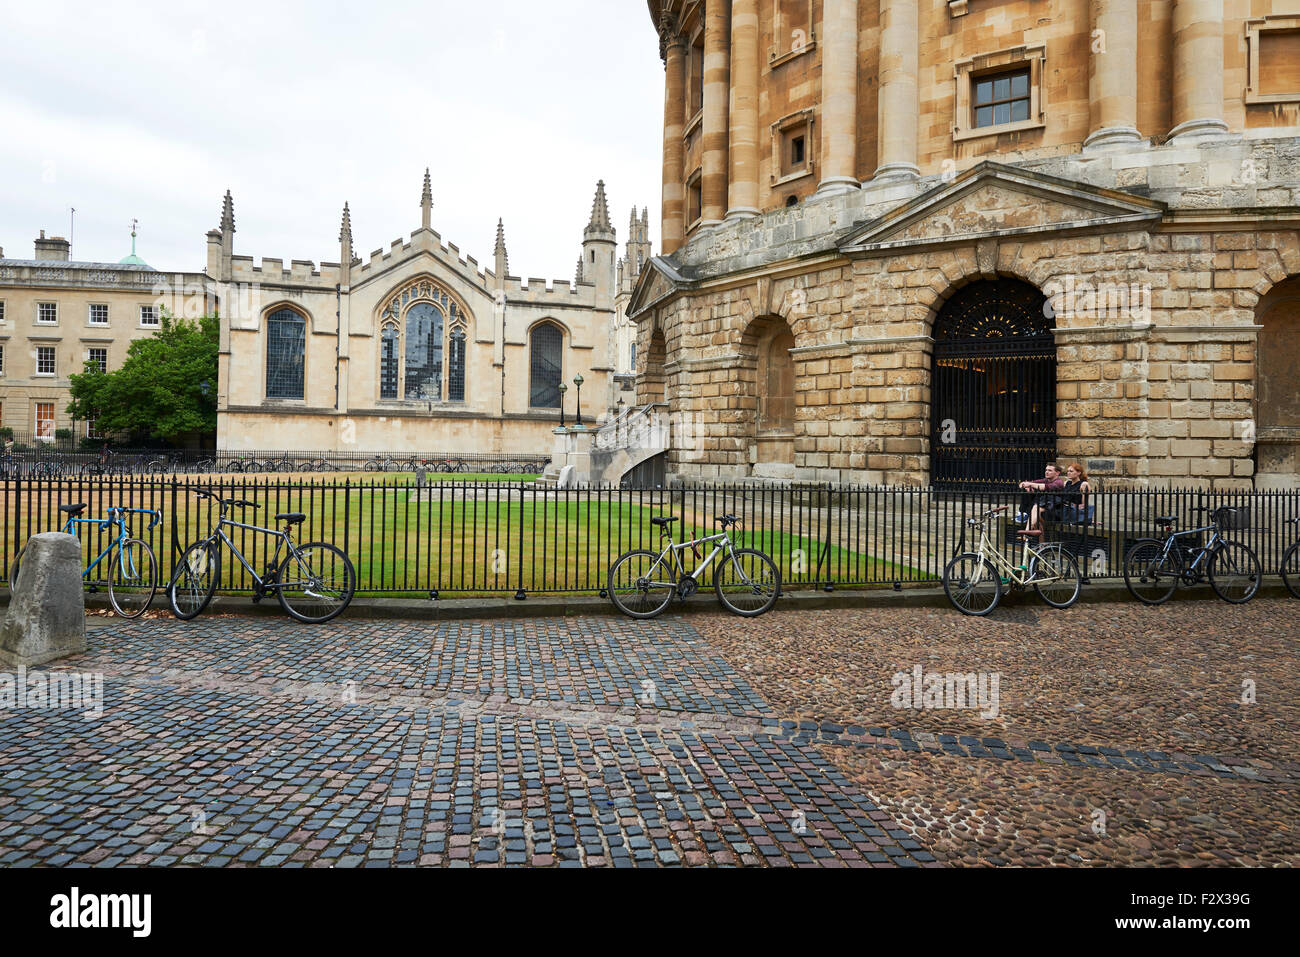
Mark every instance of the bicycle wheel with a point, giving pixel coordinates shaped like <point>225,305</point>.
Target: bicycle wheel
<point>747,583</point>
<point>195,580</point>
<point>1290,570</point>
<point>315,584</point>
<point>132,579</point>
<point>13,572</point>
<point>1064,583</point>
<point>1150,575</point>
<point>372,465</point>
<point>1234,572</point>
<point>639,585</point>
<point>972,584</point>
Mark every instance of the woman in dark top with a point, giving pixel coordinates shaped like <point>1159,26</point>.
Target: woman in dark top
<point>1076,493</point>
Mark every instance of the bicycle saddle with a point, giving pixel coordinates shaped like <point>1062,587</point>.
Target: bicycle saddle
<point>663,522</point>
<point>293,518</point>
<point>1166,519</point>
<point>73,510</point>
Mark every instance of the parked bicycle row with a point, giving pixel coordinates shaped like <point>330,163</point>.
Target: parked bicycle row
<point>114,465</point>
<point>314,582</point>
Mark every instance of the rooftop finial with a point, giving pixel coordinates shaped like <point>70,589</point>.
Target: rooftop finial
<point>502,259</point>
<point>134,223</point>
<point>345,231</point>
<point>578,276</point>
<point>426,201</point>
<point>228,214</point>
<point>600,209</point>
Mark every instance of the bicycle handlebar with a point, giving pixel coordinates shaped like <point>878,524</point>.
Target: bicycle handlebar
<point>152,512</point>
<point>225,502</point>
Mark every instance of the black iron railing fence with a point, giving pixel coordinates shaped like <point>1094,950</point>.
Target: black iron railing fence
<point>464,538</point>
<point>44,461</point>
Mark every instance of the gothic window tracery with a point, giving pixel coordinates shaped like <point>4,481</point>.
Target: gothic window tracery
<point>423,332</point>
<point>286,342</point>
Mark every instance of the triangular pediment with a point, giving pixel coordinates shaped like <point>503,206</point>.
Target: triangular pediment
<point>992,200</point>
<point>657,282</point>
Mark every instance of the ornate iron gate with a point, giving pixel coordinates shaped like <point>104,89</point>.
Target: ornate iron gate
<point>994,387</point>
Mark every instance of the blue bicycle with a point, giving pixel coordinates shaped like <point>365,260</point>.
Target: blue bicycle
<point>133,570</point>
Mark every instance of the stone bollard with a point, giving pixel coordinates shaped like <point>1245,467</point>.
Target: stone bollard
<point>47,618</point>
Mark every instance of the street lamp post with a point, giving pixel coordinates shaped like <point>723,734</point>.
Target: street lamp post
<point>563,389</point>
<point>577,380</point>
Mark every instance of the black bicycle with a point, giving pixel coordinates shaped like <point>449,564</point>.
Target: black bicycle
<point>313,582</point>
<point>1291,563</point>
<point>1155,567</point>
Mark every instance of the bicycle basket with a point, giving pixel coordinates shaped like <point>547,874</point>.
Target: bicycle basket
<point>1230,518</point>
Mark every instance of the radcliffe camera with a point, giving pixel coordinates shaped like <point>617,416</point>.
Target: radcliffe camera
<point>673,434</point>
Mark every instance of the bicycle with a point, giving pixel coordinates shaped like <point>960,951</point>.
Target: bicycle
<point>642,583</point>
<point>133,571</point>
<point>1290,566</point>
<point>973,581</point>
<point>314,582</point>
<point>1155,567</point>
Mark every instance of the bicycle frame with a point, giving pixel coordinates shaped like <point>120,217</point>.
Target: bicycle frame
<point>283,539</point>
<point>117,516</point>
<point>1203,552</point>
<point>1017,574</point>
<point>675,549</point>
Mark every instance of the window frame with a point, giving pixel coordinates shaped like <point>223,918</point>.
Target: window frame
<point>1255,31</point>
<point>157,321</point>
<point>455,320</point>
<point>783,129</point>
<point>967,72</point>
<point>532,333</point>
<point>54,362</point>
<point>90,350</point>
<point>266,352</point>
<point>37,405</point>
<point>777,54</point>
<point>2,358</point>
<point>90,314</point>
<point>47,322</point>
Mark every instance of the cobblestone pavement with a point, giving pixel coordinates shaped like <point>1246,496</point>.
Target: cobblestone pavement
<point>596,741</point>
<point>1123,734</point>
<point>1120,736</point>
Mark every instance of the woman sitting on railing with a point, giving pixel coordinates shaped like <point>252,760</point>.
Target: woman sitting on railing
<point>1076,507</point>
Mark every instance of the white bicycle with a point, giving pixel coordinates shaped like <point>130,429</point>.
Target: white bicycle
<point>973,581</point>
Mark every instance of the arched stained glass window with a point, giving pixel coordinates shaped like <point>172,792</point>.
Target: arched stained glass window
<point>546,364</point>
<point>456,367</point>
<point>286,341</point>
<point>424,352</point>
<point>388,361</point>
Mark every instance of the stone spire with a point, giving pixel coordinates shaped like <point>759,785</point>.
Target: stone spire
<point>426,201</point>
<point>228,214</point>
<point>502,258</point>
<point>577,278</point>
<point>599,215</point>
<point>345,245</point>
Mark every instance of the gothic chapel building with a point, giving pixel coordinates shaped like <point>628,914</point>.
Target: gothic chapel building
<point>414,350</point>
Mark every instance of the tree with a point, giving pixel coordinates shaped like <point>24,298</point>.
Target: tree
<point>166,388</point>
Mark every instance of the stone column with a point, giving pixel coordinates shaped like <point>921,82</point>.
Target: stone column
<point>839,117</point>
<point>1112,73</point>
<point>717,88</point>
<point>1198,68</point>
<point>899,104</point>
<point>674,197</point>
<point>742,194</point>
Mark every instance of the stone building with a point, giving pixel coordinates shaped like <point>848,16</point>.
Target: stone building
<point>56,315</point>
<point>940,241</point>
<point>623,335</point>
<point>416,349</point>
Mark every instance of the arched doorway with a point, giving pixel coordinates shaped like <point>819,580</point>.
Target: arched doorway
<point>993,396</point>
<point>1277,388</point>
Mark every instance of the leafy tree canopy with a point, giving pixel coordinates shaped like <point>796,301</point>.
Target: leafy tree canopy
<point>159,393</point>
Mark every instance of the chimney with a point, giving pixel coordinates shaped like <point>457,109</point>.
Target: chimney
<point>54,248</point>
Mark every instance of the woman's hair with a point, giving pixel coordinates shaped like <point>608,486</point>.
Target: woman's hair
<point>1078,467</point>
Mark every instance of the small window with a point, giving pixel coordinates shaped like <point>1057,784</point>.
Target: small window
<point>99,357</point>
<point>697,75</point>
<point>1002,98</point>
<point>148,315</point>
<point>796,151</point>
<point>694,200</point>
<point>456,367</point>
<point>98,314</point>
<point>791,200</point>
<point>45,360</point>
<point>47,312</point>
<point>45,421</point>
<point>92,432</point>
<point>2,311</point>
<point>2,360</point>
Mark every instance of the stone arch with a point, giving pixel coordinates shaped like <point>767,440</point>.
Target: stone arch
<point>1277,387</point>
<point>992,385</point>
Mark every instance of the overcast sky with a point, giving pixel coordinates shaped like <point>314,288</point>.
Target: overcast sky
<point>153,110</point>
